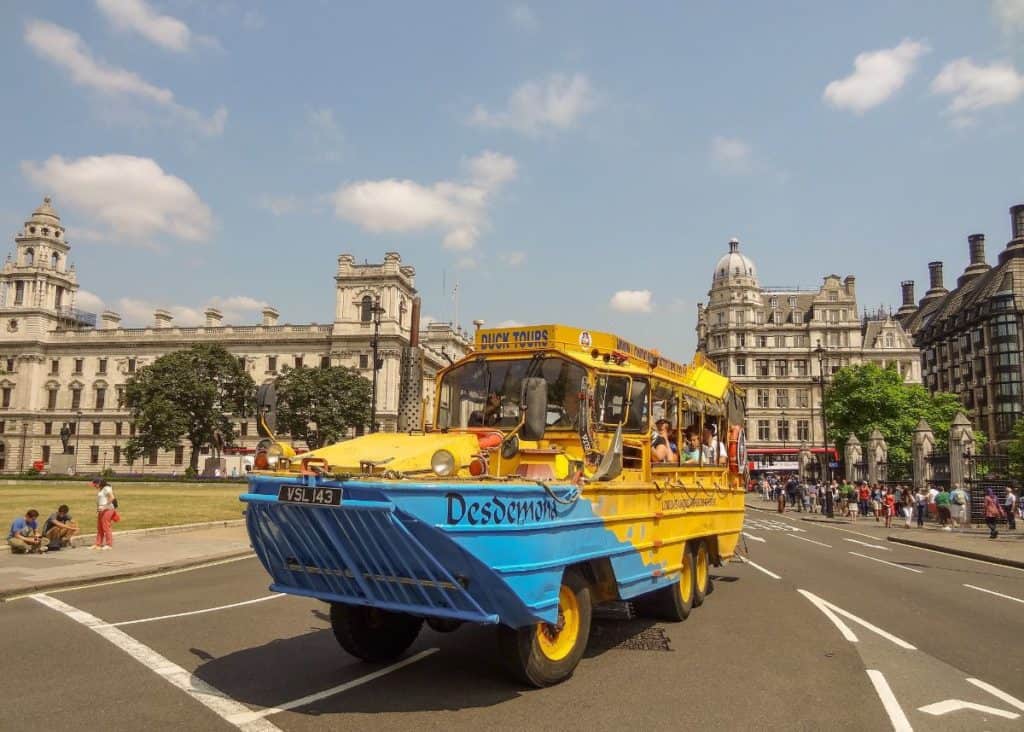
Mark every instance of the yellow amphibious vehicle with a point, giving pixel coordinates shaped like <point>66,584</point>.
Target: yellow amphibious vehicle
<point>560,468</point>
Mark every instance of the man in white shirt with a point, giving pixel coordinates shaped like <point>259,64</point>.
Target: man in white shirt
<point>711,446</point>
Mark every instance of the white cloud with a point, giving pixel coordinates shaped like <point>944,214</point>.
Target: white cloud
<point>324,133</point>
<point>457,209</point>
<point>1010,14</point>
<point>281,205</point>
<point>554,103</point>
<point>133,197</point>
<point>974,87</point>
<point>91,302</point>
<point>632,301</point>
<point>65,49</point>
<point>513,259</point>
<point>730,155</point>
<point>877,76</point>
<point>236,309</point>
<point>466,263</point>
<point>139,17</point>
<point>522,16</point>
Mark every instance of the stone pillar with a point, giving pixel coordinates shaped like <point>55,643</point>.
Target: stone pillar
<point>804,460</point>
<point>878,452</point>
<point>852,454</point>
<point>961,445</point>
<point>921,449</point>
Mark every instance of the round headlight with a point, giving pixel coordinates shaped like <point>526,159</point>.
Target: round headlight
<point>274,453</point>
<point>443,463</point>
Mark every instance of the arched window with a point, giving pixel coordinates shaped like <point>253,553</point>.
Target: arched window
<point>366,309</point>
<point>30,256</point>
<point>54,260</point>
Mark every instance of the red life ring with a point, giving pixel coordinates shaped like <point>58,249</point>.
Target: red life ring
<point>737,449</point>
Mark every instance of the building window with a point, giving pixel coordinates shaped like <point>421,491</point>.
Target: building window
<point>79,363</point>
<point>325,362</point>
<point>243,428</point>
<point>763,398</point>
<point>76,398</point>
<point>101,366</point>
<point>803,430</point>
<point>118,428</point>
<point>131,429</point>
<point>761,366</point>
<point>152,456</point>
<point>298,362</point>
<point>51,398</point>
<point>94,454</point>
<point>120,397</point>
<point>55,367</point>
<point>6,397</point>
<point>19,293</point>
<point>364,361</point>
<point>10,365</point>
<point>117,454</point>
<point>46,453</point>
<point>131,365</point>
<point>803,398</point>
<point>759,317</point>
<point>782,397</point>
<point>740,317</point>
<point>798,317</point>
<point>763,429</point>
<point>773,303</point>
<point>101,398</point>
<point>781,367</point>
<point>179,455</point>
<point>792,301</point>
<point>780,341</point>
<point>241,363</point>
<point>782,429</point>
<point>366,309</point>
<point>47,428</point>
<point>800,367</point>
<point>3,426</point>
<point>95,428</point>
<point>272,364</point>
<point>741,367</point>
<point>762,341</point>
<point>741,340</point>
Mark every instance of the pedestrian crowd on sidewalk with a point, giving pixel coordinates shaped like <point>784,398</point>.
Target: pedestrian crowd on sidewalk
<point>25,537</point>
<point>948,508</point>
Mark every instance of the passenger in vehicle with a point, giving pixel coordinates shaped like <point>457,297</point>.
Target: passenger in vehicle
<point>490,414</point>
<point>691,445</point>
<point>714,450</point>
<point>663,448</point>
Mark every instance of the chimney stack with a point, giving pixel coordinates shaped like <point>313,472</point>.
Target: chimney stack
<point>270,316</point>
<point>110,320</point>
<point>1017,221</point>
<point>935,276</point>
<point>848,284</point>
<point>162,318</point>
<point>734,245</point>
<point>908,307</point>
<point>976,244</point>
<point>213,317</point>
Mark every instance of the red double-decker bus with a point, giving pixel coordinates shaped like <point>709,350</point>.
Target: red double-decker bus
<point>786,459</point>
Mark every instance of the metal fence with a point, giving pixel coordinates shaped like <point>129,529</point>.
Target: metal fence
<point>983,472</point>
<point>938,464</point>
<point>896,472</point>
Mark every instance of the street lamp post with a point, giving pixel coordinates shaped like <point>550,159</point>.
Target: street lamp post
<point>78,431</point>
<point>827,473</point>
<point>377,310</point>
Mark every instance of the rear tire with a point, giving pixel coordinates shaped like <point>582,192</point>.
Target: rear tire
<point>672,603</point>
<point>701,573</point>
<point>371,634</point>
<point>544,654</point>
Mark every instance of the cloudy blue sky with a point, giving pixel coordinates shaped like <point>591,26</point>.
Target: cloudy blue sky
<point>581,162</point>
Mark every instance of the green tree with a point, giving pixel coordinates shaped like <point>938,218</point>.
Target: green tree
<point>332,399</point>
<point>190,394</point>
<point>1015,448</point>
<point>863,397</point>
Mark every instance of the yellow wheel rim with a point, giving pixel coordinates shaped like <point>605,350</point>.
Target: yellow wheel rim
<point>557,641</point>
<point>686,577</point>
<point>702,567</point>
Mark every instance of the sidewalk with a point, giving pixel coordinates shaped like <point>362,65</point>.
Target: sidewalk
<point>134,554</point>
<point>972,542</point>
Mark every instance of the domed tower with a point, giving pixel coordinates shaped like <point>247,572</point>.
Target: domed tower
<point>733,299</point>
<point>38,287</point>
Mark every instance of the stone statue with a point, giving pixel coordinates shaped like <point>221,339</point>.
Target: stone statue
<point>65,436</point>
<point>217,443</point>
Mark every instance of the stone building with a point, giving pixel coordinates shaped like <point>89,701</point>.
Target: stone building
<point>970,337</point>
<point>780,343</point>
<point>58,365</point>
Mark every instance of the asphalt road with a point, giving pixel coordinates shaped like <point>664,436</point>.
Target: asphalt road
<point>845,635</point>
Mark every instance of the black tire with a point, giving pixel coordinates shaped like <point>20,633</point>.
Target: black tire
<point>672,603</point>
<point>526,656</point>
<point>372,634</point>
<point>701,576</point>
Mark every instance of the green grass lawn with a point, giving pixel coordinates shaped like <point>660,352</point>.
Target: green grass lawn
<point>142,505</point>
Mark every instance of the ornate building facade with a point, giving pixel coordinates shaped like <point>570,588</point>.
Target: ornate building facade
<point>970,337</point>
<point>782,344</point>
<point>59,365</point>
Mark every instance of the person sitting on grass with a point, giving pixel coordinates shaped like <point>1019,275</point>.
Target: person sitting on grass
<point>24,537</point>
<point>60,528</point>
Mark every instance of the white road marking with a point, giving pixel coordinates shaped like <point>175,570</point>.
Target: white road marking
<point>998,693</point>
<point>771,525</point>
<point>216,701</point>
<point>801,538</point>
<point>899,720</point>
<point>997,594</point>
<point>891,564</point>
<point>833,611</point>
<point>755,538</point>
<point>196,612</point>
<point>953,705</point>
<point>864,543</point>
<point>248,717</point>
<point>759,567</point>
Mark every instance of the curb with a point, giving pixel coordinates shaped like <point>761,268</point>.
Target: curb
<point>8,595</point>
<point>826,521</point>
<point>958,552</point>
<point>81,539</point>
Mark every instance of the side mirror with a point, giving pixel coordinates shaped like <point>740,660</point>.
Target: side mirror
<point>266,411</point>
<point>535,402</point>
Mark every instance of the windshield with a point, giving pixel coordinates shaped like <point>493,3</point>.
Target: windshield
<point>486,393</point>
